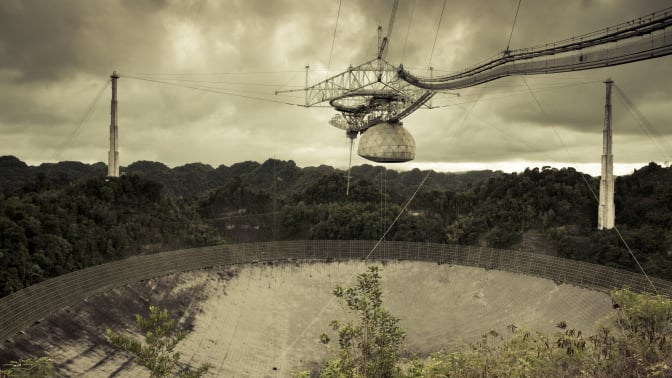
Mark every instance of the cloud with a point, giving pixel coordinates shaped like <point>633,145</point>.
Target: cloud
<point>57,57</point>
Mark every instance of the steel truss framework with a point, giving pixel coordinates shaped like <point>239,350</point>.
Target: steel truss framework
<point>377,91</point>
<point>368,94</point>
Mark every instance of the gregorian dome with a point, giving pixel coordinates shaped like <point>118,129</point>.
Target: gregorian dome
<point>387,143</point>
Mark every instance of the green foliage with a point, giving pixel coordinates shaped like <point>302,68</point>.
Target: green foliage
<point>523,354</point>
<point>356,220</point>
<point>631,342</point>
<point>157,353</point>
<point>48,232</point>
<point>513,203</point>
<point>234,198</point>
<point>332,188</point>
<point>636,338</point>
<point>51,224</point>
<point>41,367</point>
<point>370,345</point>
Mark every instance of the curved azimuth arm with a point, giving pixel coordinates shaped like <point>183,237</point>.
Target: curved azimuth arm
<point>640,39</point>
<point>376,91</point>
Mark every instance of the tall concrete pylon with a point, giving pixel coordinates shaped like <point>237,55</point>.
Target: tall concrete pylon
<point>606,211</point>
<point>113,154</point>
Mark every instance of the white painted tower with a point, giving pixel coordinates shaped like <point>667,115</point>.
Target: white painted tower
<point>606,212</point>
<point>113,154</point>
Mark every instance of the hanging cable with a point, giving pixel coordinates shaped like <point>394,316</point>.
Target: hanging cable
<point>191,81</point>
<point>510,93</point>
<point>333,39</point>
<point>466,114</point>
<point>642,121</point>
<point>557,134</point>
<point>213,73</point>
<point>618,232</point>
<point>508,43</point>
<point>620,236</point>
<point>359,267</point>
<point>403,50</point>
<point>231,89</point>
<point>85,118</point>
<point>211,90</point>
<point>225,86</point>
<point>437,34</point>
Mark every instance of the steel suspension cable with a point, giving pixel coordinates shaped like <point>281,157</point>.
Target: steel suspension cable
<point>513,26</point>
<point>438,28</point>
<point>618,232</point>
<point>403,50</point>
<point>641,120</point>
<point>359,267</point>
<point>211,90</point>
<point>333,39</point>
<point>84,119</point>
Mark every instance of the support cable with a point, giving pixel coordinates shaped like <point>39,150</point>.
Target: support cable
<point>226,87</point>
<point>211,90</point>
<point>85,118</point>
<point>468,111</point>
<point>642,121</point>
<point>620,236</point>
<point>438,28</point>
<point>511,93</point>
<point>333,39</point>
<point>557,134</point>
<point>513,26</point>
<point>403,50</point>
<point>359,267</point>
<point>618,232</point>
<point>212,73</point>
<point>241,83</point>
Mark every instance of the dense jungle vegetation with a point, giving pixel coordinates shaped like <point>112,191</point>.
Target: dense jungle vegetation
<point>57,218</point>
<point>632,341</point>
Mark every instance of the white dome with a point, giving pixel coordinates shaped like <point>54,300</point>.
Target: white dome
<point>387,143</point>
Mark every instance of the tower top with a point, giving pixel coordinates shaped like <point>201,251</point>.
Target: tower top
<point>608,81</point>
<point>114,75</point>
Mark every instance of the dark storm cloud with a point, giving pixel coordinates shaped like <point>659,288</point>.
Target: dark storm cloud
<point>554,116</point>
<point>57,55</point>
<point>51,40</point>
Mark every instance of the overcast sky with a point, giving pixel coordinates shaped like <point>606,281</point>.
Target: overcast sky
<point>56,58</point>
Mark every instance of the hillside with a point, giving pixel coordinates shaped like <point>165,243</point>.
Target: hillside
<point>47,229</point>
<point>283,178</point>
<point>548,210</point>
<point>54,218</point>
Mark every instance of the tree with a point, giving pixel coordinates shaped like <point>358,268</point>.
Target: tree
<point>633,341</point>
<point>370,346</point>
<point>157,352</point>
<point>29,367</point>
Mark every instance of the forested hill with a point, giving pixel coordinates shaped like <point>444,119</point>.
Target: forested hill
<point>548,210</point>
<point>47,229</point>
<point>56,218</point>
<point>61,217</point>
<point>196,179</point>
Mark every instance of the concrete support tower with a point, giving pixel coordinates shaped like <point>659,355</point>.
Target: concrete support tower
<point>606,212</point>
<point>113,154</point>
